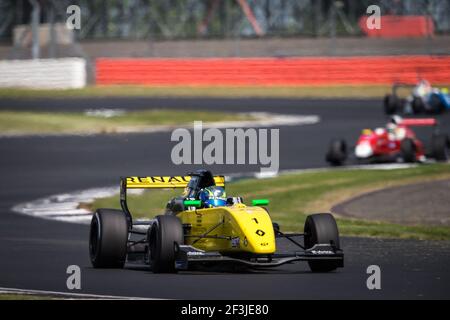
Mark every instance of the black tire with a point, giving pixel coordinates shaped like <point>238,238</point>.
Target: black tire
<point>436,105</point>
<point>321,228</point>
<point>408,150</point>
<point>108,239</point>
<point>337,153</point>
<point>417,105</point>
<point>164,237</point>
<point>439,147</point>
<point>391,104</point>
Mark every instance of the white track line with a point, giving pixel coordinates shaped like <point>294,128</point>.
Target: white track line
<point>66,207</point>
<point>68,295</point>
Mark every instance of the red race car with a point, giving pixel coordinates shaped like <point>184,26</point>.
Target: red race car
<point>397,142</point>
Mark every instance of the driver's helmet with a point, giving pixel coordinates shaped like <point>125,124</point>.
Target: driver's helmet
<point>213,197</point>
<point>422,88</point>
<point>395,120</point>
<point>393,124</point>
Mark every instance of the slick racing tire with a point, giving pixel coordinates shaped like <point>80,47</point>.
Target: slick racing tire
<point>391,104</point>
<point>440,147</point>
<point>108,239</point>
<point>408,150</point>
<point>436,105</point>
<point>337,153</point>
<point>418,106</point>
<point>164,237</point>
<point>321,228</point>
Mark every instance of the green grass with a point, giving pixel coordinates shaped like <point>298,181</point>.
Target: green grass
<point>333,91</point>
<point>18,122</point>
<point>17,296</point>
<point>294,196</point>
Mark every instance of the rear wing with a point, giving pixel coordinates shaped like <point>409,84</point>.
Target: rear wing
<point>163,182</point>
<point>418,122</point>
<point>155,182</point>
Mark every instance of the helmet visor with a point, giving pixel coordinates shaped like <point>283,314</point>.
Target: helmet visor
<point>218,202</point>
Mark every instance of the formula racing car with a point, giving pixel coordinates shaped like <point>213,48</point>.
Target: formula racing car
<point>397,142</point>
<point>204,227</point>
<point>422,99</point>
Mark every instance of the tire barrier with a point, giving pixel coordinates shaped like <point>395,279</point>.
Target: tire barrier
<point>273,71</point>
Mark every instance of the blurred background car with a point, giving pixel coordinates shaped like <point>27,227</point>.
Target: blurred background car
<point>396,142</point>
<point>422,99</point>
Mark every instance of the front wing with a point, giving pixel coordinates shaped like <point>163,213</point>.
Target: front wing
<point>189,255</point>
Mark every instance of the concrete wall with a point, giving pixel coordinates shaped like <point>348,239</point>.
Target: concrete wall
<point>66,73</point>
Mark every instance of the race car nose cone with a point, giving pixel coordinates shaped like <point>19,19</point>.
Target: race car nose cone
<point>363,150</point>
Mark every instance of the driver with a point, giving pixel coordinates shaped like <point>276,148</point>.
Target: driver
<point>394,130</point>
<point>213,197</point>
<point>422,89</point>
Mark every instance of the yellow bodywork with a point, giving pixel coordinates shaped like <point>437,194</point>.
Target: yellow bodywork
<point>229,229</point>
<point>242,228</point>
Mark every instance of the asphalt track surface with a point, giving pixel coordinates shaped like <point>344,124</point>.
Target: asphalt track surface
<point>34,253</point>
<point>428,203</point>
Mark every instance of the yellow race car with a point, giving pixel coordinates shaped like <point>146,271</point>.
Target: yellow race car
<point>204,227</point>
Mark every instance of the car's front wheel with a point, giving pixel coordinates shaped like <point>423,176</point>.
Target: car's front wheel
<point>408,150</point>
<point>440,147</point>
<point>436,104</point>
<point>321,228</point>
<point>164,237</point>
<point>337,153</point>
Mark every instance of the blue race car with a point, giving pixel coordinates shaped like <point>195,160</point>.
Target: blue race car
<point>423,99</point>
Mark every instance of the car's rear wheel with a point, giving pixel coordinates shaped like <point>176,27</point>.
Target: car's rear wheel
<point>408,150</point>
<point>164,237</point>
<point>337,153</point>
<point>321,228</point>
<point>108,239</point>
<point>440,147</point>
<point>418,106</point>
<point>391,104</point>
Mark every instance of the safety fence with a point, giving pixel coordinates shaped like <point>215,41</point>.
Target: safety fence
<point>273,71</point>
<point>66,73</point>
